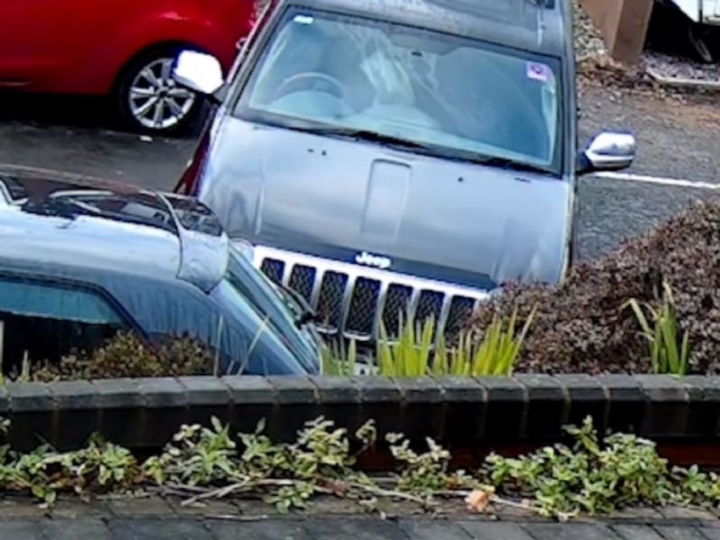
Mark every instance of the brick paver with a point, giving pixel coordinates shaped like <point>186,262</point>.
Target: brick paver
<point>159,520</point>
<point>320,528</point>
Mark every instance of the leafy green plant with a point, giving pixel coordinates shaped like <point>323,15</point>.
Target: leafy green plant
<point>411,354</point>
<point>339,359</point>
<point>668,354</point>
<point>25,374</point>
<point>286,474</point>
<point>592,476</point>
<point>599,478</point>
<point>494,352</point>
<point>428,472</point>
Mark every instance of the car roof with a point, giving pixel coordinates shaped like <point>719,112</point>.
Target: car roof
<point>540,26</point>
<point>122,229</point>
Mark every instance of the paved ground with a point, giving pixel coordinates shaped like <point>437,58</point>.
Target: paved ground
<point>676,142</point>
<point>156,519</point>
<point>348,528</point>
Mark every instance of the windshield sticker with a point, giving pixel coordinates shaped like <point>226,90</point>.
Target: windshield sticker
<point>303,19</point>
<point>538,72</point>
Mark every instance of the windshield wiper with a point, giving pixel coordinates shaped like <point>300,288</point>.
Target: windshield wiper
<point>505,163</point>
<point>364,135</point>
<point>372,136</point>
<point>306,315</point>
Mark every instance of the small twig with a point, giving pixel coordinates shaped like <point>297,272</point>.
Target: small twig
<point>215,493</point>
<point>186,488</point>
<point>506,502</point>
<point>380,492</point>
<point>164,491</point>
<point>224,491</point>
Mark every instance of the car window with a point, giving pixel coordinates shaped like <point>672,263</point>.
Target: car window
<point>163,309</point>
<point>245,286</point>
<point>424,86</point>
<point>47,321</point>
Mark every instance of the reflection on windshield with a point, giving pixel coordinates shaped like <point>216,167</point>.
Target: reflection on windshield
<point>245,286</point>
<point>417,85</point>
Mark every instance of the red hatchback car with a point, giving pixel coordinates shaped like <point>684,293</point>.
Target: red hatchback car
<point>119,48</point>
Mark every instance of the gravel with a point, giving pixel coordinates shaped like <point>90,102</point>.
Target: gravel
<point>588,40</point>
<point>680,68</point>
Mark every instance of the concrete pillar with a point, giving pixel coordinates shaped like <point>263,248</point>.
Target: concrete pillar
<point>623,24</point>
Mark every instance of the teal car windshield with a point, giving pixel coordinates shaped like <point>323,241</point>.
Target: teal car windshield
<point>244,285</point>
<point>456,96</point>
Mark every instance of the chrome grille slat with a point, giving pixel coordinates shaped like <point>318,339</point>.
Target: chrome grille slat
<point>286,274</point>
<point>384,285</point>
<point>347,299</point>
<point>442,320</point>
<point>315,296</point>
<point>330,287</point>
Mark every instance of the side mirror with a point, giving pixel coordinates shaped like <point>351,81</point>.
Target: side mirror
<point>608,151</point>
<point>199,72</point>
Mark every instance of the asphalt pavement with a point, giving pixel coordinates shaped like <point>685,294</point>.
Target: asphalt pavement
<point>678,155</point>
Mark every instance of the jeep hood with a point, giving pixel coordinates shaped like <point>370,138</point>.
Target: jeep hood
<point>447,220</point>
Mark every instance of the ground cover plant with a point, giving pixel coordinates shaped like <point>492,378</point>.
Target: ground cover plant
<point>591,477</point>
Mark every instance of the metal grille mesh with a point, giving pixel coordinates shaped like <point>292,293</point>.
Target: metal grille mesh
<point>302,280</point>
<point>396,307</point>
<point>273,269</point>
<point>363,306</point>
<point>330,300</point>
<point>461,309</point>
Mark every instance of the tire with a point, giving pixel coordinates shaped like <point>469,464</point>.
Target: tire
<point>148,99</point>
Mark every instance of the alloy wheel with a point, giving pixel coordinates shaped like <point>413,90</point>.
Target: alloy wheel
<point>155,100</point>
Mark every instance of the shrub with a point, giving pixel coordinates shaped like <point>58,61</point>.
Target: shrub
<point>128,356</point>
<point>414,353</point>
<point>583,325</point>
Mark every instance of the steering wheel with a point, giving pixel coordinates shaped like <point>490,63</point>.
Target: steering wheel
<point>336,87</point>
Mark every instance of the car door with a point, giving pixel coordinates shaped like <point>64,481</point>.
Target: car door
<point>43,320</point>
<point>34,36</point>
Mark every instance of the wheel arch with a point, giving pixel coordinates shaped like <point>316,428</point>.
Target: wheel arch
<point>159,47</point>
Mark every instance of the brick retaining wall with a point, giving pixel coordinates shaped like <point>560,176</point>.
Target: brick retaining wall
<point>462,412</point>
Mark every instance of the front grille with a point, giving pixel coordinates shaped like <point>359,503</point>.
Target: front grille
<point>355,301</point>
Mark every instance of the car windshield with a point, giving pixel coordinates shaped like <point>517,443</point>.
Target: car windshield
<point>445,94</point>
<point>244,285</point>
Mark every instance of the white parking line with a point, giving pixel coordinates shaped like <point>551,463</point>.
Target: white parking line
<point>673,182</point>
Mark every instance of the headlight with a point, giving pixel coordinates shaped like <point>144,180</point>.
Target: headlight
<point>245,248</point>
